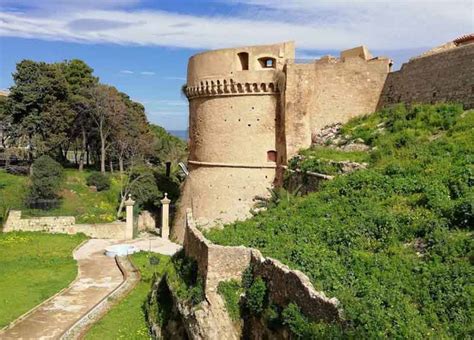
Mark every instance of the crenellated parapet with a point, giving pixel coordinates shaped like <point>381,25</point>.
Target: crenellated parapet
<point>224,87</point>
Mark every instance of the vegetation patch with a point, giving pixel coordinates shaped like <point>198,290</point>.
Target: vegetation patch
<point>231,291</point>
<point>33,267</point>
<point>183,277</point>
<point>99,180</point>
<point>392,242</point>
<point>127,319</point>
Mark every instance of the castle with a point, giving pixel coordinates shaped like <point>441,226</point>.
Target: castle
<point>253,108</point>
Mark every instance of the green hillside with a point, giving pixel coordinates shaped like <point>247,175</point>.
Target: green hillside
<point>392,242</point>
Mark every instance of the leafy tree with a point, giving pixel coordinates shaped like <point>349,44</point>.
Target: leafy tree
<point>80,79</point>
<point>38,106</point>
<point>108,112</point>
<point>166,147</point>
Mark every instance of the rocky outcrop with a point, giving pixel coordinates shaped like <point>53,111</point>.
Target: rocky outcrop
<point>207,320</point>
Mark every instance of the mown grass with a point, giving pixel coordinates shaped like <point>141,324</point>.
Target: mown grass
<point>393,242</point>
<point>12,192</point>
<point>77,199</point>
<point>127,320</point>
<point>33,267</point>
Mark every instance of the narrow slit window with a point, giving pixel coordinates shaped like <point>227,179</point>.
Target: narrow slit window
<point>244,60</point>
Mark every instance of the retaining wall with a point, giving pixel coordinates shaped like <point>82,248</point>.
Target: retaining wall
<point>220,263</point>
<point>64,225</point>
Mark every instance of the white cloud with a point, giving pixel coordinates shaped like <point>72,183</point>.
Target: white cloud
<point>126,72</point>
<point>314,25</point>
<point>147,73</point>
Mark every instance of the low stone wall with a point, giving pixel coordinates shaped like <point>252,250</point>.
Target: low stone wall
<point>220,263</point>
<point>215,263</point>
<point>285,285</point>
<point>64,225</point>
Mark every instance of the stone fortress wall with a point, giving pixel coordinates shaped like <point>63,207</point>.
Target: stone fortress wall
<point>445,75</point>
<point>253,108</point>
<point>64,225</point>
<point>218,263</point>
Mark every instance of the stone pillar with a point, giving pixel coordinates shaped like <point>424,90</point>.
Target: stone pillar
<point>165,217</point>
<point>129,203</point>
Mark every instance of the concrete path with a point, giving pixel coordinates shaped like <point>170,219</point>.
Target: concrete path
<point>98,277</point>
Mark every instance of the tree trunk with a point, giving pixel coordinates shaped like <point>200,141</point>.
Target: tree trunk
<point>121,164</point>
<point>111,166</point>
<point>83,150</point>
<point>102,149</point>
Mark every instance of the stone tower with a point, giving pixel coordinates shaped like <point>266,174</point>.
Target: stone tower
<point>234,101</point>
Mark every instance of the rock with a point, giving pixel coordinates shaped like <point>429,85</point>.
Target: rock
<point>355,147</point>
<point>93,188</point>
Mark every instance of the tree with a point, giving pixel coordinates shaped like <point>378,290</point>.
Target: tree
<point>167,147</point>
<point>38,107</point>
<point>108,111</point>
<point>132,138</point>
<point>80,80</point>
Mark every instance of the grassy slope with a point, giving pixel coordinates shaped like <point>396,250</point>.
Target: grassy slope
<point>77,199</point>
<point>394,242</point>
<point>33,267</point>
<point>126,320</point>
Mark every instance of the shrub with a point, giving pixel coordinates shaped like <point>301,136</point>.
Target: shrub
<point>255,296</point>
<point>230,291</point>
<point>144,189</point>
<point>186,271</point>
<point>99,180</point>
<point>45,180</point>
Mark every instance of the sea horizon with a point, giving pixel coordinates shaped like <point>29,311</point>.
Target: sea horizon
<point>183,134</point>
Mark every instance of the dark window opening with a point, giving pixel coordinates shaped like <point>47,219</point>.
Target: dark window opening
<point>271,156</point>
<point>267,62</point>
<point>244,60</point>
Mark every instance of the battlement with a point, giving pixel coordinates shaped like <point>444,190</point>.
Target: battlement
<point>229,87</point>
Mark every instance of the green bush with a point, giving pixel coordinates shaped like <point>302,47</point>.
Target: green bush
<point>46,179</point>
<point>186,271</point>
<point>230,291</point>
<point>144,189</point>
<point>99,180</point>
<point>255,296</point>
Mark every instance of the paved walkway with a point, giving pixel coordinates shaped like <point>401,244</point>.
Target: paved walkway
<point>98,277</point>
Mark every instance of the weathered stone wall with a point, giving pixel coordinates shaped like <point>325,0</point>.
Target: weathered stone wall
<point>445,76</point>
<point>285,285</point>
<point>329,91</point>
<point>64,225</point>
<point>215,263</point>
<point>220,263</point>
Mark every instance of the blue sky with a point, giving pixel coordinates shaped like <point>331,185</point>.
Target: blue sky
<point>142,46</point>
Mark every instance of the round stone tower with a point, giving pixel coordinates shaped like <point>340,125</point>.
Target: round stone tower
<point>234,114</point>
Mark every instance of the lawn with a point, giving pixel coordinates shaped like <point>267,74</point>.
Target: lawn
<point>33,267</point>
<point>77,199</point>
<point>126,320</point>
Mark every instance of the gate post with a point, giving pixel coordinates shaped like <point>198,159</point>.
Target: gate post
<point>165,217</point>
<point>129,203</point>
